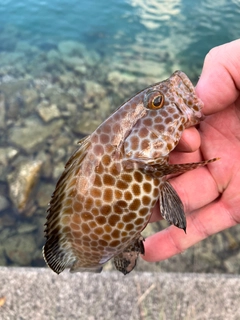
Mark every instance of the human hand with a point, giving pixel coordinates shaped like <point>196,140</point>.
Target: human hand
<point>210,194</point>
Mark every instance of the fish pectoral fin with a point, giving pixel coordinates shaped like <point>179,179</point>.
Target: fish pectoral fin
<point>171,206</point>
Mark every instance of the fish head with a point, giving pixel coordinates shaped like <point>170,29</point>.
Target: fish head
<point>171,106</point>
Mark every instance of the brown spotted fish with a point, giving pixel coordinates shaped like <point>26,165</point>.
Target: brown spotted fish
<point>105,196</point>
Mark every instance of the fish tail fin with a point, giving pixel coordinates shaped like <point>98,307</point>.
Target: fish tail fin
<point>77,267</point>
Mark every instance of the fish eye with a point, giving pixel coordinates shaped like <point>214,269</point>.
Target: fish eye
<point>153,100</point>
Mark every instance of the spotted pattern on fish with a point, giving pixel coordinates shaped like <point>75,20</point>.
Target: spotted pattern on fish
<point>105,196</point>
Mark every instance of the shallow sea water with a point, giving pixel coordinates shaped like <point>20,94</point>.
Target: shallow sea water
<point>64,67</point>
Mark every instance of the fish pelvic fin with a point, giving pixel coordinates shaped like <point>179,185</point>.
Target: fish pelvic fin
<point>171,206</point>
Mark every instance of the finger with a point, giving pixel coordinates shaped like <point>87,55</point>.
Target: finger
<point>219,83</point>
<point>200,225</point>
<point>190,140</point>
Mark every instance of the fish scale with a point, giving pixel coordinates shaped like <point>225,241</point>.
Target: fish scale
<point>110,185</point>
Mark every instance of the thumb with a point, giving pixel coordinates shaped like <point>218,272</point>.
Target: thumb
<point>219,83</point>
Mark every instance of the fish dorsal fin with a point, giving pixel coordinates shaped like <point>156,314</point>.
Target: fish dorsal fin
<point>171,206</point>
<point>80,152</point>
<point>55,255</point>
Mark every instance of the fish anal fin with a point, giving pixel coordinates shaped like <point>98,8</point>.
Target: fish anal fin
<point>126,260</point>
<point>171,206</point>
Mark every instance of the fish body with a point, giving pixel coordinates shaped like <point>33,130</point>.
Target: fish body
<point>105,196</point>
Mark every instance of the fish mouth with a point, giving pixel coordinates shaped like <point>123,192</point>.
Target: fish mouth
<point>185,80</point>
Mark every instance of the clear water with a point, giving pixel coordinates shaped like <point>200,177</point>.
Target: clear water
<point>142,40</point>
<point>188,29</point>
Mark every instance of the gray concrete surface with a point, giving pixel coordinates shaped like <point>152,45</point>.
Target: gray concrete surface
<point>40,294</point>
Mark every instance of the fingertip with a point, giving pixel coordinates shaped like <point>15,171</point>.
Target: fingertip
<point>219,83</point>
<point>190,140</point>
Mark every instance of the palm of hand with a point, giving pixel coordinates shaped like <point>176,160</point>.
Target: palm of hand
<point>221,137</point>
<point>210,194</point>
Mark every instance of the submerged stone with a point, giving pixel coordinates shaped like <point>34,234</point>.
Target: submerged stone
<point>71,48</point>
<point>48,112</point>
<point>4,203</point>
<point>33,134</point>
<point>2,111</point>
<point>20,249</point>
<point>22,181</point>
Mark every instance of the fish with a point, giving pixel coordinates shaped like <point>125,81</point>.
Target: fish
<point>106,194</point>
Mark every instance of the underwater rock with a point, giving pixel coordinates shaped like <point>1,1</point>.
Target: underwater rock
<point>232,263</point>
<point>73,62</point>
<point>116,77</point>
<point>71,108</point>
<point>71,48</point>
<point>47,165</point>
<point>3,260</point>
<point>58,170</point>
<point>53,55</point>
<point>11,86</point>
<point>86,125</point>
<point>104,108</point>
<point>30,98</point>
<point>27,48</point>
<point>80,69</point>
<point>32,136</point>
<point>22,181</point>
<point>2,111</point>
<point>142,67</point>
<point>44,194</point>
<point>48,112</point>
<point>93,93</point>
<point>20,249</point>
<point>3,203</point>
<point>13,107</point>
<point>26,228</point>
<point>6,220</point>
<point>7,154</point>
<point>66,79</point>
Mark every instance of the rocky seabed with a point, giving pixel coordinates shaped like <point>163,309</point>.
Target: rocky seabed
<point>51,96</point>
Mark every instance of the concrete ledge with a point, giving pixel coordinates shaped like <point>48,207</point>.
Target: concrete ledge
<point>34,293</point>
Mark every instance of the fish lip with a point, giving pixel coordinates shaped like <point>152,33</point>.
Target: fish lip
<point>186,81</point>
<point>194,116</point>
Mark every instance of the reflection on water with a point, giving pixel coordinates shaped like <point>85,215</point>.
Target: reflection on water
<point>63,70</point>
<point>153,12</point>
